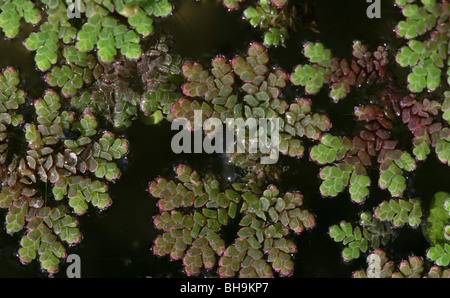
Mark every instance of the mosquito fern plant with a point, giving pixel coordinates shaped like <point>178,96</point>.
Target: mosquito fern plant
<point>379,266</point>
<point>52,168</point>
<point>104,70</point>
<point>194,210</point>
<point>100,29</point>
<point>348,162</point>
<point>426,29</point>
<point>276,18</point>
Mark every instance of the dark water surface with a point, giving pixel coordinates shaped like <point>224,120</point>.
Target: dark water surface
<point>117,242</point>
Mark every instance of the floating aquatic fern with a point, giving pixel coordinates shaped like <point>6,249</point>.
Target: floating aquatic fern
<point>100,31</point>
<point>61,163</point>
<point>194,211</point>
<point>446,107</point>
<point>12,12</point>
<point>56,27</point>
<point>421,118</point>
<point>348,159</point>
<point>400,212</point>
<point>79,70</point>
<point>379,266</point>
<point>47,228</point>
<point>437,229</point>
<point>74,158</point>
<point>275,17</point>
<point>232,4</point>
<point>366,67</point>
<point>369,233</point>
<point>112,96</point>
<point>11,98</point>
<point>440,254</point>
<point>161,72</point>
<point>426,27</point>
<point>375,231</point>
<point>272,16</point>
<point>110,36</point>
<point>212,92</point>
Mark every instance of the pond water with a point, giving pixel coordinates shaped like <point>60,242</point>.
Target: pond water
<point>117,242</point>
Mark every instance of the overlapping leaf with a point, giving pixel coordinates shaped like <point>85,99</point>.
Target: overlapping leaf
<point>100,31</point>
<point>160,71</point>
<point>366,67</point>
<point>61,148</point>
<point>11,98</point>
<point>357,239</point>
<point>262,99</point>
<point>400,212</point>
<point>12,12</point>
<point>194,212</point>
<point>46,230</point>
<point>380,267</point>
<point>429,21</point>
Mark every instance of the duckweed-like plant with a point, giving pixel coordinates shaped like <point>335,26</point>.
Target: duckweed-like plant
<point>376,230</point>
<point>427,132</point>
<point>11,98</point>
<point>426,27</point>
<point>400,212</point>
<point>12,12</point>
<point>111,97</point>
<point>275,17</point>
<point>61,164</point>
<point>104,71</point>
<point>354,155</point>
<point>101,29</point>
<point>162,72</point>
<point>440,254</point>
<point>194,210</point>
<point>369,233</point>
<point>380,267</point>
<point>365,68</point>
<point>115,97</point>
<point>80,69</point>
<point>438,229</point>
<point>232,4</point>
<point>260,96</point>
<point>347,158</point>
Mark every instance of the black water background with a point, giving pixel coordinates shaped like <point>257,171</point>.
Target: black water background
<point>117,242</point>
